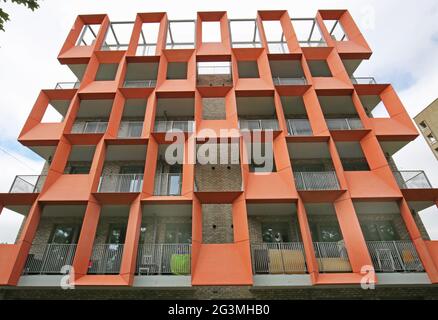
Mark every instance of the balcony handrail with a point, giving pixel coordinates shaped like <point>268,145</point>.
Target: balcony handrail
<point>278,258</point>
<point>394,256</point>
<point>121,182</point>
<point>164,258</point>
<point>299,127</point>
<point>27,184</point>
<point>363,80</point>
<point>412,179</point>
<point>67,85</point>
<point>147,83</point>
<point>332,256</point>
<point>106,258</point>
<point>146,49</point>
<point>89,127</point>
<point>171,125</point>
<point>316,180</point>
<point>49,258</point>
<point>213,70</point>
<point>289,81</point>
<point>128,129</point>
<point>344,123</point>
<point>258,124</point>
<point>164,186</point>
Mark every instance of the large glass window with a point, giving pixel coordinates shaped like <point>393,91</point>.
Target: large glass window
<point>379,231</point>
<point>276,232</point>
<point>64,234</point>
<point>178,233</point>
<point>116,234</point>
<point>326,232</point>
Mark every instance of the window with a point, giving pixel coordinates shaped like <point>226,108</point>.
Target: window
<point>379,231</point>
<point>64,234</point>
<point>178,233</point>
<point>423,125</point>
<point>79,169</point>
<point>309,167</point>
<point>116,234</point>
<point>326,232</point>
<point>143,230</point>
<point>132,169</point>
<point>431,138</point>
<point>276,232</point>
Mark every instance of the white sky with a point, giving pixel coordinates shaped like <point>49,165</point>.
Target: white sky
<point>402,34</point>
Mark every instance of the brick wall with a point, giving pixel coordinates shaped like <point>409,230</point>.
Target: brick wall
<point>217,221</point>
<point>213,109</point>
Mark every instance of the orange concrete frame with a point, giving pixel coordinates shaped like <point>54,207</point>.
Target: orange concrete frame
<point>216,264</point>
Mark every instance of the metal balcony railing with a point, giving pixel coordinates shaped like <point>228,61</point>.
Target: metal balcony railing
<point>89,127</point>
<point>146,49</point>
<point>412,180</point>
<point>299,127</point>
<point>262,124</point>
<point>289,81</point>
<point>168,184</point>
<point>344,124</point>
<point>214,70</point>
<point>106,259</point>
<point>323,180</point>
<point>332,257</point>
<point>49,258</point>
<point>67,85</point>
<point>171,125</point>
<point>27,184</point>
<point>164,259</point>
<point>277,47</point>
<point>140,83</point>
<point>363,80</point>
<point>130,129</point>
<point>394,256</point>
<point>278,258</point>
<point>129,182</point>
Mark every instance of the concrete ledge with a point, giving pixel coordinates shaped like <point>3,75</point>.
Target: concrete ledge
<point>163,281</point>
<point>41,281</point>
<point>281,280</point>
<point>402,278</point>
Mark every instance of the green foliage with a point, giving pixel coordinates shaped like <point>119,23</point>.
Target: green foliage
<point>31,4</point>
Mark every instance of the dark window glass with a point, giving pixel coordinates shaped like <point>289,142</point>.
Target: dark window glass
<point>64,234</point>
<point>116,234</point>
<point>276,232</point>
<point>178,233</point>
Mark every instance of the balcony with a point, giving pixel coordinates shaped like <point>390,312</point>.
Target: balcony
<point>363,80</point>
<point>214,74</point>
<point>164,259</point>
<point>394,256</point>
<point>121,183</point>
<point>130,129</point>
<point>89,127</point>
<point>27,184</point>
<point>323,180</point>
<point>140,83</point>
<point>173,126</point>
<point>49,258</point>
<point>262,124</point>
<point>106,259</point>
<point>289,81</point>
<point>299,127</point>
<point>412,180</point>
<point>344,124</point>
<point>278,258</point>
<point>67,85</point>
<point>332,257</point>
<point>168,184</point>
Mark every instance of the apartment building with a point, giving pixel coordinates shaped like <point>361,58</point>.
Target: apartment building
<point>427,121</point>
<point>332,212</point>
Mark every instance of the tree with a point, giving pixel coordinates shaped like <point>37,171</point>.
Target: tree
<point>31,4</point>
